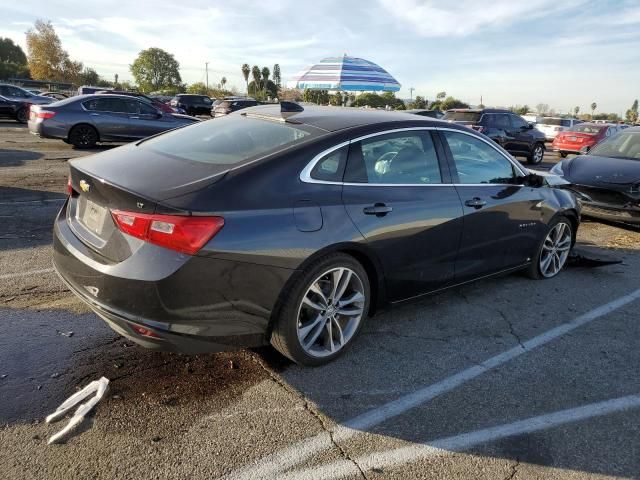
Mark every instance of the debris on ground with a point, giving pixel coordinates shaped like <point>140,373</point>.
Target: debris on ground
<point>99,387</point>
<point>591,256</point>
<point>55,375</point>
<point>65,334</point>
<point>3,376</point>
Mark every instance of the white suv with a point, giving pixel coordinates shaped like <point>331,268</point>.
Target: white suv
<point>551,126</point>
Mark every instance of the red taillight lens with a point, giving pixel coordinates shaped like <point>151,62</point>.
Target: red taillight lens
<point>145,332</point>
<point>180,233</point>
<point>44,114</point>
<point>69,186</point>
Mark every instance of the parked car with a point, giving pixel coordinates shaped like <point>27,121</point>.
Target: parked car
<point>229,105</point>
<point>582,137</point>
<point>88,89</point>
<point>507,129</point>
<point>55,95</point>
<point>18,110</point>
<point>607,179</point>
<point>426,113</point>
<point>551,126</point>
<point>11,92</point>
<point>292,229</point>
<point>192,104</point>
<point>140,96</point>
<point>85,120</point>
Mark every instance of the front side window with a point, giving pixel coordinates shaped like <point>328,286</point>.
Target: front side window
<point>330,168</point>
<point>146,109</point>
<point>477,162</point>
<point>518,122</point>
<point>399,158</point>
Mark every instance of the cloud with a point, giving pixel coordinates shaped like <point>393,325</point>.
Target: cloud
<point>464,17</point>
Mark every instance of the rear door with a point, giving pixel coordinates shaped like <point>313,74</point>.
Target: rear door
<point>145,119</point>
<point>6,107</point>
<point>405,206</point>
<point>522,134</point>
<point>110,116</point>
<point>498,129</point>
<point>502,217</point>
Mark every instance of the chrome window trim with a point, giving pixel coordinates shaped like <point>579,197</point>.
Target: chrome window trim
<point>305,174</point>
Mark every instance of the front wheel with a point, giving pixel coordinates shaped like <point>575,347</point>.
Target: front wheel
<point>563,154</point>
<point>536,155</point>
<point>553,251</point>
<point>323,312</point>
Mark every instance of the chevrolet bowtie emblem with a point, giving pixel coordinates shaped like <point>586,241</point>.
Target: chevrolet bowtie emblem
<point>84,186</point>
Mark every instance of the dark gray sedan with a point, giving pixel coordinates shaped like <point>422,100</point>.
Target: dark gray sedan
<point>86,120</point>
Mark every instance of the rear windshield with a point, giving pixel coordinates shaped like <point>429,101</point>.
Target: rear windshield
<point>555,121</point>
<point>623,145</point>
<point>197,99</point>
<point>462,116</point>
<point>230,140</point>
<point>591,129</point>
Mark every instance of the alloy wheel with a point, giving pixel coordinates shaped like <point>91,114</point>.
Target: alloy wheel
<point>555,250</point>
<point>538,154</point>
<point>330,312</point>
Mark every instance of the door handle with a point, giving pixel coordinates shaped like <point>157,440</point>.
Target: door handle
<point>475,203</point>
<point>94,114</point>
<point>135,118</point>
<point>379,210</point>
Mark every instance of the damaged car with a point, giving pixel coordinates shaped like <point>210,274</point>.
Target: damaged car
<point>607,179</point>
<point>291,226</point>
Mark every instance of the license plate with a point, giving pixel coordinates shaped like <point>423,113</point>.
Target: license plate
<point>93,216</point>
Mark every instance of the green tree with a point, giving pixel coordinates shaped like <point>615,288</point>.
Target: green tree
<point>319,97</point>
<point>198,88</point>
<point>246,70</point>
<point>520,110</point>
<point>632,113</point>
<point>265,78</point>
<point>271,89</point>
<point>13,61</point>
<point>451,102</point>
<point>441,95</point>
<point>336,99</point>
<point>256,74</point>
<point>277,79</point>
<point>576,110</point>
<point>223,82</point>
<point>418,102</point>
<point>594,105</point>
<point>155,69</point>
<point>46,58</point>
<point>89,77</point>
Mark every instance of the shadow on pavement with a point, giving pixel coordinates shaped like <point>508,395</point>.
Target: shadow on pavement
<point>15,158</point>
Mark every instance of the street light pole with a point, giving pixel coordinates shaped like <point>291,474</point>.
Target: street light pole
<point>411,89</point>
<point>206,69</point>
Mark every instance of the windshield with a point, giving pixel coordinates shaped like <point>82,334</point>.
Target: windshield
<point>462,116</point>
<point>590,129</point>
<point>563,122</point>
<point>230,140</point>
<point>623,145</point>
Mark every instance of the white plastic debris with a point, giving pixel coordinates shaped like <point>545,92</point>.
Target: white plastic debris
<point>99,387</point>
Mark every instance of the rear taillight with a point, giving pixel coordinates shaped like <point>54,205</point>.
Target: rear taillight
<point>181,233</point>
<point>44,114</point>
<point>145,332</point>
<point>69,186</point>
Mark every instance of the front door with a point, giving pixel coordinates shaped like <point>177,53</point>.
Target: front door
<point>110,117</point>
<point>502,217</point>
<point>396,195</point>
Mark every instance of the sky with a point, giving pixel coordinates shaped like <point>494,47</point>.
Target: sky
<point>563,53</point>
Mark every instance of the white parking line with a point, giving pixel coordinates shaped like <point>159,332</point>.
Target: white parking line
<point>271,465</point>
<point>6,276</point>
<point>457,443</point>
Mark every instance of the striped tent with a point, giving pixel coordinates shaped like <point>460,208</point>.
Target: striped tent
<point>347,74</point>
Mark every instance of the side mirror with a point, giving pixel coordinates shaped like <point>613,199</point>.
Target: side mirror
<point>159,113</point>
<point>532,180</point>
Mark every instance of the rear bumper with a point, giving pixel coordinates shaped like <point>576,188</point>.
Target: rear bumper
<point>191,304</point>
<point>611,213</point>
<point>569,147</point>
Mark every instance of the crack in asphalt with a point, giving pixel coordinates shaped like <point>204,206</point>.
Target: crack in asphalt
<point>511,329</point>
<point>514,470</point>
<point>308,406</point>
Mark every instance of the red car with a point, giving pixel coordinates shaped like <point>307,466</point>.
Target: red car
<point>581,137</point>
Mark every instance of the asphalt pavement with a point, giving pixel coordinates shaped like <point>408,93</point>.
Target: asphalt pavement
<point>508,378</point>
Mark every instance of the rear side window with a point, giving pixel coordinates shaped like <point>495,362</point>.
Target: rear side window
<point>477,162</point>
<point>230,140</point>
<point>330,168</point>
<point>394,159</point>
<point>584,128</point>
<point>117,105</point>
<point>496,120</point>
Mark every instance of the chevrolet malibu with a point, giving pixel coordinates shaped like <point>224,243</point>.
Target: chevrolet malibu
<point>292,226</point>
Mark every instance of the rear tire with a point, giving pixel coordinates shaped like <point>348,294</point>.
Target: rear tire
<point>536,155</point>
<point>83,136</point>
<point>563,154</point>
<point>323,311</point>
<point>553,251</point>
<point>22,116</point>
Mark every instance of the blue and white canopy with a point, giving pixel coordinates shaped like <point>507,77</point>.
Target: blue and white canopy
<point>347,74</point>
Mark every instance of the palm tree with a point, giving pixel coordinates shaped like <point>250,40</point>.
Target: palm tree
<point>255,72</point>
<point>223,81</point>
<point>265,79</point>
<point>594,105</point>
<point>576,110</point>
<point>246,70</point>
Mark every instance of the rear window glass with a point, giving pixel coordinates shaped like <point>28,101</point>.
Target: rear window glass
<point>462,116</point>
<point>553,121</point>
<point>624,145</point>
<point>582,128</point>
<point>230,140</point>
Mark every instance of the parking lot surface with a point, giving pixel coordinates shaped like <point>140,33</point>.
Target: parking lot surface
<point>507,378</point>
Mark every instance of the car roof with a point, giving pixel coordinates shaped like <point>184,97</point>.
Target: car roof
<point>339,118</point>
<point>416,110</point>
<point>481,110</point>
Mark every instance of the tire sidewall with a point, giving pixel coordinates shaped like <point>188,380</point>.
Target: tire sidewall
<point>287,321</point>
<point>21,116</point>
<point>75,144</point>
<point>532,157</point>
